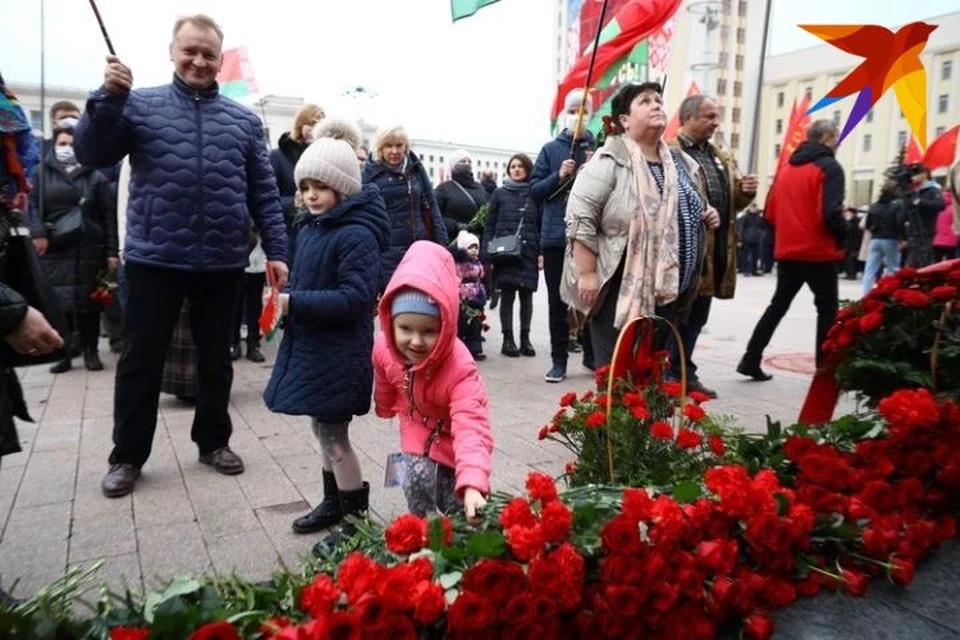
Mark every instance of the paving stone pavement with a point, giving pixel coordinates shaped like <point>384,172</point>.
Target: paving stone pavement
<point>184,517</point>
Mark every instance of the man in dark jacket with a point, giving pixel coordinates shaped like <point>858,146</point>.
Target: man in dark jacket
<point>550,184</point>
<point>805,208</point>
<point>924,203</point>
<point>749,235</point>
<point>199,171</point>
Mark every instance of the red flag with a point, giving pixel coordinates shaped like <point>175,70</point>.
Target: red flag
<point>632,23</point>
<point>796,130</point>
<point>670,133</point>
<point>913,152</point>
<point>942,151</point>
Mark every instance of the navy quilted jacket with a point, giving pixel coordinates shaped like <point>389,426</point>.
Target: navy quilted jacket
<point>200,170</point>
<point>411,207</point>
<point>545,180</point>
<point>324,367</point>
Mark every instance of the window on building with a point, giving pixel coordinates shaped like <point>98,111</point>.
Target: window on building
<point>431,157</point>
<point>722,112</point>
<point>430,170</point>
<point>942,102</point>
<point>946,70</point>
<point>421,157</point>
<point>737,88</point>
<point>867,142</point>
<point>742,7</point>
<point>36,119</point>
<point>724,59</point>
<point>736,115</point>
<point>869,117</point>
<point>778,126</point>
<point>735,141</point>
<point>738,62</point>
<point>722,86</point>
<point>836,118</point>
<point>779,98</point>
<point>441,159</point>
<point>741,35</point>
<point>938,132</point>
<point>776,150</point>
<point>808,92</point>
<point>901,138</point>
<point>727,6</point>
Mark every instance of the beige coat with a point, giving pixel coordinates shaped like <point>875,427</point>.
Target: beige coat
<point>601,206</point>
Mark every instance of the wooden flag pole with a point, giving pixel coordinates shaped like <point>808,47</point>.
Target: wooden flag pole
<point>103,28</point>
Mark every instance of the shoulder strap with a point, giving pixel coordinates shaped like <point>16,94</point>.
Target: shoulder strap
<point>465,192</point>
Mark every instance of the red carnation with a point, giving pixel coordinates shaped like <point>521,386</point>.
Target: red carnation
<point>717,445</point>
<point>557,521</point>
<point>517,513</point>
<point>521,610</point>
<point>430,602</point>
<point>405,535</point>
<point>688,439</point>
<point>358,575</point>
<point>373,613</point>
<point>470,613</point>
<point>128,633</point>
<point>621,535</point>
<point>542,434</point>
<point>269,628</point>
<point>854,582</point>
<point>498,580</point>
<point>758,626</point>
<point>221,630</point>
<point>342,626</point>
<point>779,592</point>
<point>672,389</point>
<point>526,543</point>
<point>319,597</point>
<point>570,468</point>
<point>871,321</point>
<point>699,397</point>
<point>640,412</point>
<point>637,504</point>
<point>902,571</point>
<point>661,431</point>
<point>634,399</point>
<point>596,419</point>
<point>694,412</point>
<point>568,399</point>
<point>541,487</point>
<point>911,298</point>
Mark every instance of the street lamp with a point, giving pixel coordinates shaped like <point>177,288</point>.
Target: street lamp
<point>261,102</point>
<point>359,93</point>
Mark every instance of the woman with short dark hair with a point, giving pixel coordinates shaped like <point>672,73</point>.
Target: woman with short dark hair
<point>513,212</point>
<point>635,224</point>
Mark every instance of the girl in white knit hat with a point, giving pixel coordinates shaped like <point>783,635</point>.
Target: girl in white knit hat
<point>324,368</point>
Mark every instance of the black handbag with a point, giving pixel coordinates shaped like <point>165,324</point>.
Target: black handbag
<point>21,271</point>
<point>503,250</point>
<point>67,229</point>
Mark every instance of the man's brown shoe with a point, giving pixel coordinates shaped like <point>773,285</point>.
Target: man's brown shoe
<point>120,480</point>
<point>224,461</point>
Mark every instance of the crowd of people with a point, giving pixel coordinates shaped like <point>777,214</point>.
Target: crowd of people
<point>173,192</point>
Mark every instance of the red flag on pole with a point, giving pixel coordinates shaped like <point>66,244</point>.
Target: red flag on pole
<point>913,152</point>
<point>942,152</point>
<point>796,130</point>
<point>633,22</point>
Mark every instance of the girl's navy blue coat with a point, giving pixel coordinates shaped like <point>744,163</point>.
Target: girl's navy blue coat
<point>324,367</point>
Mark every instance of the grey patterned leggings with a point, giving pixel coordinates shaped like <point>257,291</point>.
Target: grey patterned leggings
<point>338,455</point>
<point>430,487</point>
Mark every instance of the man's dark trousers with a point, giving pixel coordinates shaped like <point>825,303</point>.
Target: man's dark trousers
<point>156,295</point>
<point>559,324</point>
<point>689,334</point>
<point>821,277</point>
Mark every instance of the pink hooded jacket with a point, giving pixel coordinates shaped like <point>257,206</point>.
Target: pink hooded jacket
<point>441,401</point>
<point>945,236</point>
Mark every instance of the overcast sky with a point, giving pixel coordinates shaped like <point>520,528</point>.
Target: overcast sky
<point>485,80</point>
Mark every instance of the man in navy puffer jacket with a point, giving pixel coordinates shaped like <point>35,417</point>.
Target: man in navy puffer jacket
<point>550,184</point>
<point>199,172</point>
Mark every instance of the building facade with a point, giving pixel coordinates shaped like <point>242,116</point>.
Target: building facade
<point>872,147</point>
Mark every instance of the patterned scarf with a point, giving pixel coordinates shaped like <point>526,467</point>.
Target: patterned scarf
<point>651,273</point>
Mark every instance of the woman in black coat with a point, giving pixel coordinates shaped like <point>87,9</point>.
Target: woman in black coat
<point>512,208</point>
<point>72,265</point>
<point>284,158</point>
<point>460,197</point>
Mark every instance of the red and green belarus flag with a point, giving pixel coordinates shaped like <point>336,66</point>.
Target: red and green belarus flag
<point>466,8</point>
<point>236,74</point>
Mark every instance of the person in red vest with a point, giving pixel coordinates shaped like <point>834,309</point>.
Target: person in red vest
<point>805,208</point>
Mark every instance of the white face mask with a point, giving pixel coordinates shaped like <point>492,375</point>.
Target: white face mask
<point>65,155</point>
<point>569,121</point>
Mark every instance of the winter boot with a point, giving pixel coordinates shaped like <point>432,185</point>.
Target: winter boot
<point>91,359</point>
<point>509,348</point>
<point>253,352</point>
<point>62,367</point>
<point>352,503</point>
<point>526,347</point>
<point>324,515</point>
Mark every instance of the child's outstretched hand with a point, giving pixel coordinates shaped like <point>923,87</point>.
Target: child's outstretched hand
<point>473,501</point>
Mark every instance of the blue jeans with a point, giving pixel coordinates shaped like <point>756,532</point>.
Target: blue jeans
<point>882,251</point>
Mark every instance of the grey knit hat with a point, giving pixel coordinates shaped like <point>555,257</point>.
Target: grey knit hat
<point>332,158</point>
<point>413,301</point>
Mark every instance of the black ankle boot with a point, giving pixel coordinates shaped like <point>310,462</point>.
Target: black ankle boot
<point>352,503</point>
<point>526,347</point>
<point>509,348</point>
<point>324,515</point>
<point>751,367</point>
<point>253,353</point>
<point>62,367</point>
<point>235,352</point>
<point>91,359</point>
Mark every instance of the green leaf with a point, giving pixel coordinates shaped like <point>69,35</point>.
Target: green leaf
<point>687,492</point>
<point>180,586</point>
<point>450,580</point>
<point>774,429</point>
<point>435,537</point>
<point>584,516</point>
<point>453,555</point>
<point>783,504</point>
<point>486,544</point>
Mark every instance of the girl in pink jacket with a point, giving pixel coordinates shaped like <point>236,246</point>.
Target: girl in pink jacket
<point>945,242</point>
<point>427,377</point>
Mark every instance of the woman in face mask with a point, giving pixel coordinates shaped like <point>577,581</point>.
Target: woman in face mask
<point>75,233</point>
<point>461,196</point>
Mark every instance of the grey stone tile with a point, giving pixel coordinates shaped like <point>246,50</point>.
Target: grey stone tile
<point>250,554</point>
<point>161,506</point>
<point>170,550</point>
<point>118,572</point>
<point>31,564</point>
<point>227,522</point>
<point>265,488</point>
<point>39,525</point>
<point>103,534</point>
